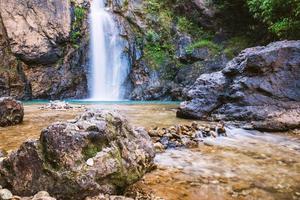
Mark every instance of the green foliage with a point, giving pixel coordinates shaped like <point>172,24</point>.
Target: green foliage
<point>262,19</point>
<point>281,16</point>
<point>158,43</point>
<point>155,54</point>
<point>152,36</point>
<point>235,16</point>
<point>163,22</point>
<point>213,47</point>
<point>79,13</point>
<point>75,35</point>
<point>183,24</point>
<point>90,151</point>
<point>235,45</point>
<point>187,26</point>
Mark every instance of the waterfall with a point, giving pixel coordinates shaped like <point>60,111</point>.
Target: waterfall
<point>109,67</point>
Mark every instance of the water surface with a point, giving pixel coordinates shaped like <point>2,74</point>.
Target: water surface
<point>246,165</point>
<point>146,114</point>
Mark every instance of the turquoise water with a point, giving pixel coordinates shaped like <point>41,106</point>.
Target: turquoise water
<point>89,102</point>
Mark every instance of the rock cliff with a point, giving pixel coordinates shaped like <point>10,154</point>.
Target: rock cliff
<point>260,86</point>
<point>159,43</point>
<point>43,50</point>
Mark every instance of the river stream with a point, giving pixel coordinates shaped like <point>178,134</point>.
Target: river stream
<point>244,165</point>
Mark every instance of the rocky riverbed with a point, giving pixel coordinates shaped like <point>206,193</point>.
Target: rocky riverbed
<point>242,165</point>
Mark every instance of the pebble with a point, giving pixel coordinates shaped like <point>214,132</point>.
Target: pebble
<point>5,194</point>
<point>240,186</point>
<point>159,147</point>
<point>41,194</point>
<point>195,184</point>
<point>2,153</point>
<point>90,162</point>
<point>215,182</point>
<point>212,133</point>
<point>185,135</point>
<point>18,198</point>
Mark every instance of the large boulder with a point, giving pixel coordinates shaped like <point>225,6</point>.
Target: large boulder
<point>11,111</point>
<point>35,29</point>
<point>99,152</point>
<point>261,85</point>
<point>40,58</point>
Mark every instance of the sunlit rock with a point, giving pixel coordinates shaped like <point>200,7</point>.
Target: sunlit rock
<point>260,86</point>
<point>11,112</point>
<point>60,162</point>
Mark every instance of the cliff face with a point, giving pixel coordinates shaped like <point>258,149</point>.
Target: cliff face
<point>43,49</point>
<point>44,46</point>
<point>160,40</point>
<point>260,86</point>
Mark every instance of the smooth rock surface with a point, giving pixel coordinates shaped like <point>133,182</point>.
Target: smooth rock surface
<point>35,28</point>
<point>42,195</point>
<point>260,86</point>
<point>38,57</point>
<point>57,161</point>
<point>5,194</point>
<point>11,112</point>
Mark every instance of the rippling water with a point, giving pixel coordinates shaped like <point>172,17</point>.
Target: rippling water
<point>246,165</point>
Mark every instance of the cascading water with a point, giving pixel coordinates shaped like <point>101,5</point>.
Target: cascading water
<point>109,66</point>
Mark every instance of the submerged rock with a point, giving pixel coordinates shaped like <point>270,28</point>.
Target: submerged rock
<point>11,111</point>
<point>60,161</point>
<point>187,136</point>
<point>260,86</point>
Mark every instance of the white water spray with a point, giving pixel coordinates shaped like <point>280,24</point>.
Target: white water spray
<point>109,68</point>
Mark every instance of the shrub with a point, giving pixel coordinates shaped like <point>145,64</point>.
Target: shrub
<point>235,45</point>
<point>281,16</point>
<point>213,47</point>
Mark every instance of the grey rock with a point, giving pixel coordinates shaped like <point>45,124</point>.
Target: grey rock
<point>205,92</point>
<point>260,86</point>
<point>57,161</point>
<point>190,56</point>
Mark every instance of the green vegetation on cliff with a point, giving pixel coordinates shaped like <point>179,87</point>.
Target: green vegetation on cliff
<point>165,25</point>
<point>242,23</point>
<point>79,16</point>
<point>266,20</point>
